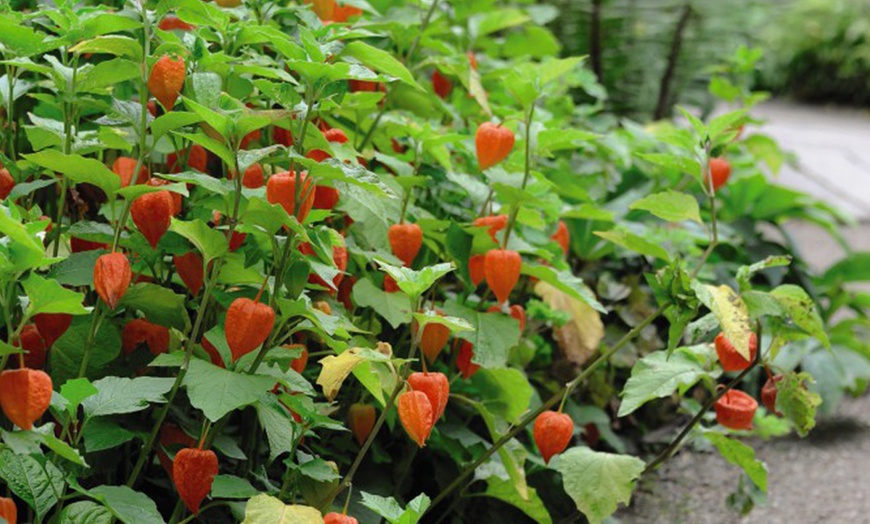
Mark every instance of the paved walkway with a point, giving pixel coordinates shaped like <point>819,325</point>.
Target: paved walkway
<point>824,478</point>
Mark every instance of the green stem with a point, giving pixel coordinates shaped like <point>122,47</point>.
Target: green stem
<point>711,195</point>
<point>99,314</point>
<point>530,418</point>
<point>69,124</point>
<point>10,112</point>
<point>515,208</point>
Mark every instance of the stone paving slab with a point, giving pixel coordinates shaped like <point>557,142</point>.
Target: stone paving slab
<point>833,150</point>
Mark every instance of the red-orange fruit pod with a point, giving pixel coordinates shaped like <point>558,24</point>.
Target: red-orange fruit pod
<point>32,341</point>
<point>176,197</point>
<point>171,435</point>
<point>25,395</point>
<point>416,415</point>
<point>436,387</point>
<point>405,240</point>
<point>167,80</point>
<point>140,331</point>
<point>516,311</point>
<point>6,183</point>
<point>562,237</point>
<point>8,510</point>
<point>253,177</point>
<point>768,394</point>
<point>79,245</point>
<point>236,240</point>
<point>189,267</point>
<point>463,360</point>
<point>730,359</point>
<point>441,84</point>
<point>325,197</point>
<point>735,410</point>
<point>213,354</point>
<point>124,167</point>
<point>472,60</point>
<point>112,276</point>
<point>341,15</point>
<point>170,23</point>
<point>361,420</point>
<point>282,136</point>
<point>475,269</point>
<point>390,284</point>
<point>720,171</point>
<point>433,339</point>
<point>494,144</point>
<point>339,258</point>
<point>52,326</point>
<point>298,364</point>
<point>197,159</point>
<point>495,223</point>
<point>281,189</point>
<point>338,518</point>
<point>248,325</point>
<point>152,214</point>
<point>552,432</point>
<point>193,473</point>
<point>501,267</point>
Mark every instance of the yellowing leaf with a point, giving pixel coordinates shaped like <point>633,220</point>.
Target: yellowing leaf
<point>578,340</point>
<point>731,312</point>
<point>336,369</point>
<point>264,509</point>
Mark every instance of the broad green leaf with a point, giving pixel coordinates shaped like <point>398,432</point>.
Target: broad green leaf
<point>85,512</point>
<point>116,45</point>
<point>380,61</point>
<point>128,506</point>
<point>635,243</point>
<point>75,391</point>
<point>802,311</point>
<point>658,375</point>
<point>216,391</point>
<point>47,296</point>
<point>68,351</point>
<point>125,395</point>
<point>171,121</point>
<point>854,267</point>
<point>796,402</point>
<point>78,169</point>
<point>512,455</point>
<point>75,270</point>
<point>209,241</point>
<point>454,324</point>
<point>564,281</point>
<point>279,425</point>
<point>493,335</point>
<point>742,456</point>
<point>35,480</point>
<point>597,482</point>
<point>264,509</point>
<point>390,509</point>
<point>731,313</point>
<point>394,307</point>
<point>232,487</point>
<point>102,433</point>
<point>159,304</point>
<point>670,205</point>
<point>507,392</point>
<point>503,490</point>
<point>415,283</point>
<point>745,273</point>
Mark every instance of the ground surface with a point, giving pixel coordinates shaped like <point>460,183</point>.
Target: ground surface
<point>824,478</point>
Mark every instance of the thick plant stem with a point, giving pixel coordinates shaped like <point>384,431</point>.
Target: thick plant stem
<point>553,400</point>
<point>672,447</point>
<point>99,314</point>
<point>714,228</point>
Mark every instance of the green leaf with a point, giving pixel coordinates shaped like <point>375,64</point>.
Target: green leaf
<point>507,392</point>
<point>394,307</point>
<point>78,169</point>
<point>390,509</point>
<point>102,433</point>
<point>63,450</point>
<point>232,487</point>
<point>216,147</point>
<point>75,270</point>
<point>671,206</point>
<point>126,395</point>
<point>85,512</point>
<point>635,243</point>
<point>855,267</point>
<point>730,311</point>
<point>415,283</point>
<point>75,391</point>
<point>740,455</point>
<point>564,281</point>
<point>493,335</point>
<point>128,506</point>
<point>159,304</point>
<point>116,45</point>
<point>659,374</point>
<point>454,324</point>
<point>68,351</point>
<point>34,480</point>
<point>678,164</point>
<point>505,491</point>
<point>597,482</point>
<point>802,310</point>
<point>47,296</point>
<point>264,509</point>
<point>210,242</point>
<point>278,423</point>
<point>796,402</point>
<point>172,121</point>
<point>216,391</point>
<point>380,61</point>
